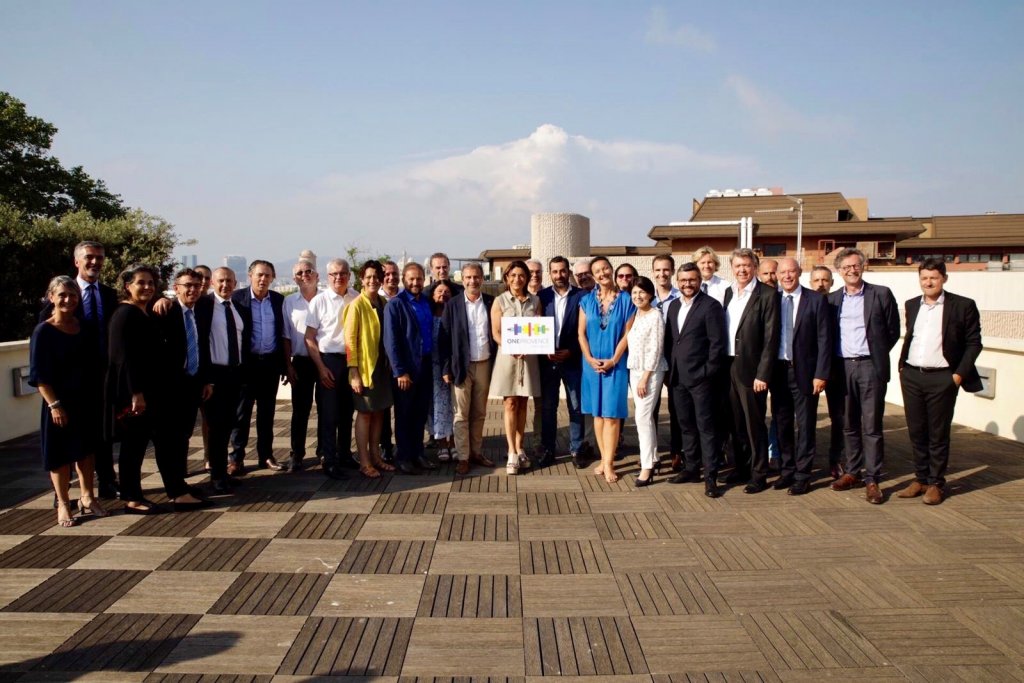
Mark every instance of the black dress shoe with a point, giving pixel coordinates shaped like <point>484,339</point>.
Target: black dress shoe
<point>737,477</point>
<point>782,483</point>
<point>407,467</point>
<point>755,487</point>
<point>150,509</point>
<point>196,492</point>
<point>233,481</point>
<point>711,489</point>
<point>799,488</point>
<point>640,483</point>
<point>222,487</point>
<point>108,490</point>
<point>426,463</point>
<point>335,472</point>
<point>684,477</point>
<point>295,464</point>
<point>578,461</point>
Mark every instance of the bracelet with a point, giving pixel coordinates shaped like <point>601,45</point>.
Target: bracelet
<point>55,404</point>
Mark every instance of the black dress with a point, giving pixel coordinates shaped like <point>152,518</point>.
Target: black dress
<point>61,360</point>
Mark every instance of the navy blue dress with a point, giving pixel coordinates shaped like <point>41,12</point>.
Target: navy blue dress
<point>61,361</point>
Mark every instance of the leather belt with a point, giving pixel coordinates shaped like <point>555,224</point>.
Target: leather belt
<point>858,358</point>
<point>925,370</point>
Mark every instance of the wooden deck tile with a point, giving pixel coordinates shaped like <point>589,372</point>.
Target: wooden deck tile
<point>558,503</point>
<point>903,549</point>
<point>387,557</point>
<point>563,557</point>
<point>804,551</point>
<point>322,526</point>
<point>763,591</point>
<point>16,582</point>
<point>234,644</point>
<point>400,528</point>
<point>862,586</point>
<point>471,596</point>
<point>549,528</point>
<point>481,503</point>
<point>582,646</point>
<point>485,484</point>
<point>711,523</point>
<point>1010,573</point>
<point>991,546</point>
<point>191,594</point>
<point>734,553</point>
<point>31,522</point>
<point>670,554</point>
<point>25,638</point>
<point>465,647</point>
<point>268,501</point>
<point>628,526</point>
<point>964,674</point>
<point>478,527</point>
<point>924,637</point>
<point>406,503</point>
<point>958,585</point>
<point>215,555</point>
<point>94,591</point>
<point>548,595</point>
<point>999,625</point>
<point>280,595</point>
<point>476,557</point>
<point>298,555</point>
<point>767,676</point>
<point>121,642</point>
<point>131,552</point>
<point>637,500</point>
<point>431,483</point>
<point>365,595</point>
<point>781,523</point>
<point>359,485</point>
<point>332,501</point>
<point>669,593</point>
<point>331,646</point>
<point>50,552</point>
<point>810,640</point>
<point>697,643</point>
<point>549,484</point>
<point>249,525</point>
<point>182,524</point>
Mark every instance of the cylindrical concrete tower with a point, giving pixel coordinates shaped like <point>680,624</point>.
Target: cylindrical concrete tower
<point>558,234</point>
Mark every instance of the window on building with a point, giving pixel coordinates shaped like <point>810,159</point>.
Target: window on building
<point>844,215</point>
<point>774,250</point>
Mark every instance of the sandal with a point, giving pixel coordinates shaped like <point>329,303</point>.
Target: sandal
<point>443,454</point>
<point>512,467</point>
<point>64,518</point>
<point>383,466</point>
<point>92,507</point>
<point>369,472</point>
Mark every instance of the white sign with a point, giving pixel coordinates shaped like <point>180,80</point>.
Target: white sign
<point>527,335</point>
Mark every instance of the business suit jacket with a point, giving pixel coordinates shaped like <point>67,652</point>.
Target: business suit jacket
<point>812,340</point>
<point>453,339</point>
<point>695,353</point>
<point>402,340</point>
<point>242,298</point>
<point>172,327</point>
<point>757,336</point>
<point>206,307</point>
<point>882,319</point>
<point>961,337</point>
<point>568,334</point>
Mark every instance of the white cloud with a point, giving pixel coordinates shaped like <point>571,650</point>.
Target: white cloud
<point>660,31</point>
<point>770,115</point>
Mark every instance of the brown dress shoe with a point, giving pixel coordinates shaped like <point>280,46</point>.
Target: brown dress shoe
<point>845,482</point>
<point>482,460</point>
<point>873,494</point>
<point>933,496</point>
<point>915,489</point>
<point>462,468</point>
<point>234,469</point>
<point>677,462</point>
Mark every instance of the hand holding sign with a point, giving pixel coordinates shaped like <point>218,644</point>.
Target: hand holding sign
<point>527,336</point>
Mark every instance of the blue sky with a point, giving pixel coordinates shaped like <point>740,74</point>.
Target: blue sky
<point>263,128</point>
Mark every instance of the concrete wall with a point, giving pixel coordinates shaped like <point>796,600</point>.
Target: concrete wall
<point>19,415</point>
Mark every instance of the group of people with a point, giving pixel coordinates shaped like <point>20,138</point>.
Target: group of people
<point>133,366</point>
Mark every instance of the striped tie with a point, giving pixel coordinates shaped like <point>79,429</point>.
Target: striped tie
<point>191,344</point>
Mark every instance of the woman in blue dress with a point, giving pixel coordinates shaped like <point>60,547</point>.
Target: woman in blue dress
<point>606,314</point>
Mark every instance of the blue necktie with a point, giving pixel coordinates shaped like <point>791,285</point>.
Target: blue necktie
<point>191,344</point>
<point>787,326</point>
<point>91,312</point>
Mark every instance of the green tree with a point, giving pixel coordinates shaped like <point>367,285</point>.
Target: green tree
<point>34,181</point>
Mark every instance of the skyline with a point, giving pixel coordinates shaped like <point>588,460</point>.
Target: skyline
<point>263,128</point>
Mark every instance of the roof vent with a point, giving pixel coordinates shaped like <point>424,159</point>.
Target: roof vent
<point>730,193</point>
<point>763,192</point>
<point>746,192</point>
<point>713,193</point>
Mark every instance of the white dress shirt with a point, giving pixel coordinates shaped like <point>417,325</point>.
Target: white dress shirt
<point>219,332</point>
<point>716,288</point>
<point>734,311</point>
<point>324,316</point>
<point>294,310</point>
<point>926,346</point>
<point>796,305</point>
<point>479,329</point>
<point>560,302</point>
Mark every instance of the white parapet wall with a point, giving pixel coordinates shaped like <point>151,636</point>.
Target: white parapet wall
<point>19,415</point>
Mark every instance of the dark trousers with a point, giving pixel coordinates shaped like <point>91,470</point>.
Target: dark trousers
<point>675,436</point>
<point>836,406</point>
<point>552,377</point>
<point>302,402</point>
<point>793,409</point>
<point>173,431</point>
<point>862,419</point>
<point>694,409</point>
<point>411,408</point>
<point>136,432</point>
<point>928,402</point>
<point>261,378</point>
<point>221,413</point>
<point>750,435</point>
<point>334,413</point>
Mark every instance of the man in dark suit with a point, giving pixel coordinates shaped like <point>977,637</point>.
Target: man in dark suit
<point>940,348</point>
<point>821,282</point>
<point>695,351</point>
<point>98,304</point>
<point>752,317</point>
<point>467,350</point>
<point>263,366</point>
<point>221,324</point>
<point>801,372</point>
<point>187,358</point>
<point>867,327</point>
<point>563,368</point>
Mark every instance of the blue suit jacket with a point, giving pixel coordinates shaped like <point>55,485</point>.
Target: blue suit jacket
<point>402,340</point>
<point>812,340</point>
<point>242,299</point>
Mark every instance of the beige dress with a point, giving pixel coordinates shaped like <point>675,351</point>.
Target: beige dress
<point>516,376</point>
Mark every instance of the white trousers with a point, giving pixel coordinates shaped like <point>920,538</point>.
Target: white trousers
<point>646,420</point>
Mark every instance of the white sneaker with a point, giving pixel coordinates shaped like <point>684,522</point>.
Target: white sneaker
<point>512,467</point>
<point>444,454</point>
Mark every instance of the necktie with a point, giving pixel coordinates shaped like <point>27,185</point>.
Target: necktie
<point>704,287</point>
<point>191,343</point>
<point>232,335</point>
<point>90,304</point>
<point>787,326</point>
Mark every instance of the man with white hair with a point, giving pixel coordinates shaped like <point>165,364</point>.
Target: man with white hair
<point>300,370</point>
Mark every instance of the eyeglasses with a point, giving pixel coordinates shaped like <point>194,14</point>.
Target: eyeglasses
<point>847,269</point>
<point>340,275</point>
<point>304,273</point>
<point>624,276</point>
<point>188,285</point>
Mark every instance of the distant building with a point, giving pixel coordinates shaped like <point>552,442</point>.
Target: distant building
<point>240,266</point>
<point>188,260</point>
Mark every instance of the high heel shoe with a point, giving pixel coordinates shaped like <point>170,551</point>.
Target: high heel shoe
<point>512,466</point>
<point>640,483</point>
<point>93,508</point>
<point>64,518</point>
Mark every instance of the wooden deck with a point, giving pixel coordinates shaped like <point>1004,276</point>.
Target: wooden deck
<point>547,575</point>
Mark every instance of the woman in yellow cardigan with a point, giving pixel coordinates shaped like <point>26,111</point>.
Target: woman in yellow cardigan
<point>369,374</point>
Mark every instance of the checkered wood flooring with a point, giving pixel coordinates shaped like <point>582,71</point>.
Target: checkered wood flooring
<point>550,574</point>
